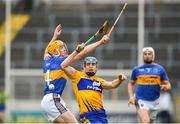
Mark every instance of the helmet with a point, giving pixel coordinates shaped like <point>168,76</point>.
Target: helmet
<point>90,59</point>
<point>149,49</point>
<point>55,45</point>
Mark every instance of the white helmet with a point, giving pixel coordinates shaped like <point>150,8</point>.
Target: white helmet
<point>149,49</point>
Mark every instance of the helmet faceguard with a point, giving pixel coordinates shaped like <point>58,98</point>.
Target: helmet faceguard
<point>90,59</point>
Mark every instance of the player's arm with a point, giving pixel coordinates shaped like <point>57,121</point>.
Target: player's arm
<point>131,89</point>
<point>165,85</point>
<point>70,59</point>
<point>83,51</point>
<point>89,48</point>
<point>115,83</point>
<point>57,33</point>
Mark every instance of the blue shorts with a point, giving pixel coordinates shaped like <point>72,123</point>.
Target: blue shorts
<point>98,117</point>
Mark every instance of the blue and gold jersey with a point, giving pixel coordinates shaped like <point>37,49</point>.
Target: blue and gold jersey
<point>54,75</point>
<point>148,79</point>
<point>88,92</point>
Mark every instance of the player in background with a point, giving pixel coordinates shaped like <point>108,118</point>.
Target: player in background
<point>88,90</point>
<point>55,60</point>
<point>3,100</point>
<point>149,78</point>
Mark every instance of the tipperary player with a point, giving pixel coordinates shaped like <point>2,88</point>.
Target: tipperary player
<point>150,79</point>
<point>88,91</point>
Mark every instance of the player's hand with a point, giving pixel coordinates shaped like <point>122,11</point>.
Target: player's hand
<point>132,100</point>
<point>104,39</point>
<point>122,77</point>
<point>164,88</point>
<point>80,47</point>
<point>58,31</point>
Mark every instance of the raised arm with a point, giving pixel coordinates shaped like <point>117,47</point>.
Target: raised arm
<point>70,59</point>
<point>79,53</point>
<point>90,48</point>
<point>82,51</point>
<point>115,83</point>
<point>57,33</point>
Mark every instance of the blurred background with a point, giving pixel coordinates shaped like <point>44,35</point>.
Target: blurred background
<point>26,27</point>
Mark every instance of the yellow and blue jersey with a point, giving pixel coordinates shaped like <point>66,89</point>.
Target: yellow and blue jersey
<point>148,79</point>
<point>53,74</point>
<point>88,92</point>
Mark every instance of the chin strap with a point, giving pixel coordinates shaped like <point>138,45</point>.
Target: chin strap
<point>91,73</point>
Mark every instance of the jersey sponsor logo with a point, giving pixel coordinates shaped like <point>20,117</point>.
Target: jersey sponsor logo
<point>86,84</point>
<point>148,80</point>
<point>95,86</point>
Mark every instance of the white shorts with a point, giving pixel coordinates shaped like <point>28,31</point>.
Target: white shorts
<point>53,106</point>
<point>151,106</point>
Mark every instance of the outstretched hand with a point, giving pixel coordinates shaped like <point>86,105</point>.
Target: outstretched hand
<point>105,39</point>
<point>57,31</point>
<point>122,77</point>
<point>80,47</point>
